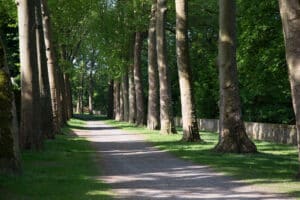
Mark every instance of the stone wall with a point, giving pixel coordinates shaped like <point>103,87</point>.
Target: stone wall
<point>278,133</point>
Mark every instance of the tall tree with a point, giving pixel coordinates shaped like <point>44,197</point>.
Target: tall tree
<point>140,107</point>
<point>166,112</point>
<point>188,110</point>
<point>132,104</point>
<point>47,126</point>
<point>125,95</point>
<point>91,87</point>
<point>110,99</point>
<point>30,134</point>
<point>289,11</point>
<point>117,100</point>
<point>153,94</point>
<point>121,103</point>
<point>9,151</point>
<point>52,67</point>
<point>233,137</point>
<point>68,95</point>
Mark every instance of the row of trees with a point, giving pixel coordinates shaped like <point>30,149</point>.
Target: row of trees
<point>45,90</point>
<point>129,103</point>
<point>160,116</point>
<point>101,48</point>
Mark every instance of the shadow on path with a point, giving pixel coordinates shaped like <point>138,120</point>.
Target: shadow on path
<point>138,171</point>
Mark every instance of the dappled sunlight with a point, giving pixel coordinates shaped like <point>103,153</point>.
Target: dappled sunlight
<point>137,170</point>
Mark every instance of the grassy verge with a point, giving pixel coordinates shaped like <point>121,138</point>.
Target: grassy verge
<point>64,170</point>
<point>274,167</point>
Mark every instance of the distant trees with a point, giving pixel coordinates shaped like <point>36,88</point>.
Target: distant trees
<point>290,17</point>
<point>233,137</point>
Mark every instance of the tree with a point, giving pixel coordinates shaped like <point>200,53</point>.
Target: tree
<point>132,100</point>
<point>30,134</point>
<point>233,137</point>
<point>153,93</point>
<point>9,151</point>
<point>117,100</point>
<point>47,125</point>
<point>290,17</point>
<point>110,100</point>
<point>140,107</point>
<point>52,67</point>
<point>189,117</point>
<point>166,113</point>
<point>125,95</point>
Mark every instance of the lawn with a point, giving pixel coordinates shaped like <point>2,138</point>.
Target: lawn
<point>64,170</point>
<point>273,167</point>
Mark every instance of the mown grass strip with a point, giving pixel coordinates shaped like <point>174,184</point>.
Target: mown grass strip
<point>64,170</point>
<point>274,167</point>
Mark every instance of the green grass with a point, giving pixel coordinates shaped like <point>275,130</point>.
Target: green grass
<point>273,168</point>
<point>64,170</point>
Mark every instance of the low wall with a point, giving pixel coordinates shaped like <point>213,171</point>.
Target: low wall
<point>278,133</point>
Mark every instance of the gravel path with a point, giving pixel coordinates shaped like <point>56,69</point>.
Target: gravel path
<point>137,171</point>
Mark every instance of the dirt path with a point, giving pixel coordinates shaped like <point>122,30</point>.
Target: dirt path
<point>137,171</point>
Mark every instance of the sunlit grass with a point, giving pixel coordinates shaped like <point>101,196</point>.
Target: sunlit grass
<point>273,167</point>
<point>64,170</point>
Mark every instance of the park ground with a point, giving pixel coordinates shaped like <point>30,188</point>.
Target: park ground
<point>70,166</point>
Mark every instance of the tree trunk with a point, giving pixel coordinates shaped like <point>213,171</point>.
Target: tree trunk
<point>125,96</point>
<point>132,104</point>
<point>69,96</point>
<point>30,134</point>
<point>78,103</point>
<point>290,16</point>
<point>47,126</point>
<point>153,96</point>
<point>166,112</point>
<point>9,151</point>
<point>140,108</point>
<point>233,137</point>
<point>52,67</point>
<point>117,100</point>
<point>110,103</point>
<point>121,103</point>
<point>63,102</point>
<point>189,117</point>
<point>91,90</point>
<point>81,95</point>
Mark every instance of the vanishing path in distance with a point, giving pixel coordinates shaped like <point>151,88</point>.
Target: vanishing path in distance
<point>137,171</point>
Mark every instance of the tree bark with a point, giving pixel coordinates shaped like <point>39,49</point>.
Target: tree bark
<point>52,67</point>
<point>189,117</point>
<point>63,102</point>
<point>91,89</point>
<point>153,96</point>
<point>140,107</point>
<point>69,95</point>
<point>110,103</point>
<point>125,96</point>
<point>9,151</point>
<point>290,17</point>
<point>47,125</point>
<point>233,137</point>
<point>117,100</point>
<point>121,103</point>
<point>166,112</point>
<point>132,104</point>
<point>30,134</point>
